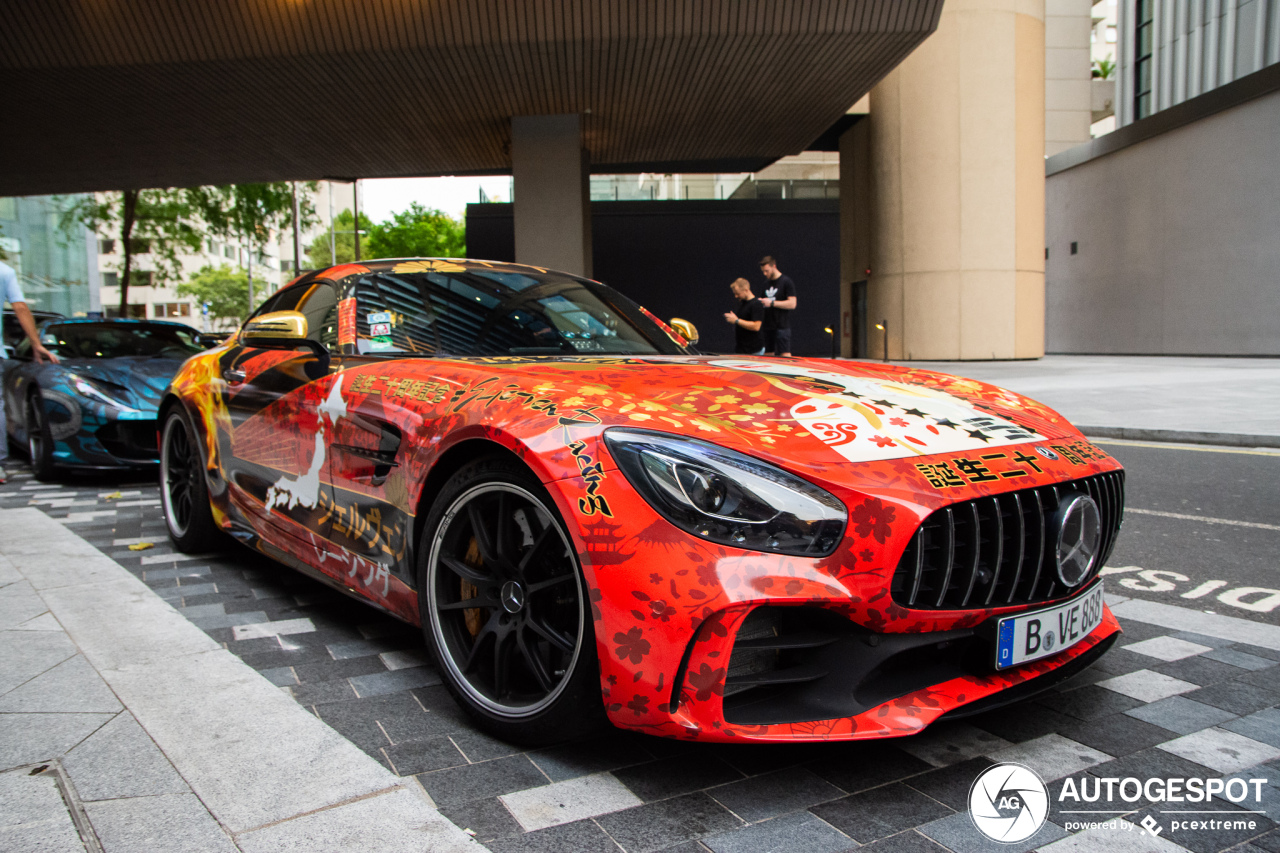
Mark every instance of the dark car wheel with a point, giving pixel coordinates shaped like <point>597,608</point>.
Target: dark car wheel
<point>183,492</point>
<point>504,609</point>
<point>39,437</point>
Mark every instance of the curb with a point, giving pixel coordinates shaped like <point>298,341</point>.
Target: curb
<point>1229,439</point>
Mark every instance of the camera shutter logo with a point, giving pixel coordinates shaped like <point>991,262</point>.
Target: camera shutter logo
<point>1008,803</point>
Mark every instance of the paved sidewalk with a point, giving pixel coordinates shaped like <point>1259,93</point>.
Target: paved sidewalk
<point>226,703</point>
<point>1233,401</point>
<point>124,727</point>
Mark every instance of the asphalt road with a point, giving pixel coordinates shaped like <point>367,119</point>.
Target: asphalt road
<point>1201,528</point>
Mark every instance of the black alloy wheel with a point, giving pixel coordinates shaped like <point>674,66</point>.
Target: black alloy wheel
<point>184,494</point>
<point>39,438</point>
<point>504,608</point>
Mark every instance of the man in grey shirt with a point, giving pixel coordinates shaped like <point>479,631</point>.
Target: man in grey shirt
<point>10,292</point>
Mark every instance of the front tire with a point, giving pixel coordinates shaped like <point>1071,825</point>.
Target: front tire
<point>522,660</point>
<point>39,437</point>
<point>184,494</point>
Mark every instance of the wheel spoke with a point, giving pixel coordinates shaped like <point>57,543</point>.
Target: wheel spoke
<point>552,636</point>
<point>481,533</point>
<point>468,573</point>
<point>535,663</point>
<point>502,527</point>
<point>543,538</point>
<point>469,604</point>
<point>488,630</point>
<point>501,665</point>
<point>549,582</point>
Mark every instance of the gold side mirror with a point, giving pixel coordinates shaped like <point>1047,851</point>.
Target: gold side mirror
<point>687,330</point>
<point>276,324</point>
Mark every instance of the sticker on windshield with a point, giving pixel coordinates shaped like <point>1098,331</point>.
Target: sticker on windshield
<point>379,330</point>
<point>380,343</point>
<point>378,317</point>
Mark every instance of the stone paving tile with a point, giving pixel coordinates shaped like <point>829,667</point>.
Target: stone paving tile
<point>581,837</point>
<point>458,785</point>
<point>71,686</point>
<point>880,812</point>
<point>321,692</point>
<point>910,841</point>
<point>1202,639</point>
<point>1147,686</point>
<point>1222,750</point>
<point>1269,654</point>
<point>487,818</point>
<point>771,794</point>
<point>120,760</point>
<point>568,801</point>
<point>324,668</point>
<point>801,831</point>
<point>1269,843</point>
<point>1237,697</point>
<point>859,766</point>
<point>656,825</point>
<point>958,833</point>
<point>1149,764</point>
<point>580,759</point>
<point>670,777</point>
<point>382,683</point>
<point>1167,648</point>
<point>1180,714</point>
<point>1112,841</point>
<point>422,756</point>
<point>406,658</point>
<point>1023,721</point>
<point>165,822</point>
<point>1052,756</point>
<point>28,738</point>
<point>1117,734</point>
<point>1240,659</point>
<point>1199,670</point>
<point>1089,703</point>
<point>948,743</point>
<point>1263,726</point>
<point>950,785</point>
<point>1267,678</point>
<point>478,746</point>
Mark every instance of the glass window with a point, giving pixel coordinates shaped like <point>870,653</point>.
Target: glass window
<point>106,247</point>
<point>110,279</point>
<point>478,312</point>
<point>116,340</point>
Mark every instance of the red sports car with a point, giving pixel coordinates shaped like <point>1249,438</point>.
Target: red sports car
<point>590,519</point>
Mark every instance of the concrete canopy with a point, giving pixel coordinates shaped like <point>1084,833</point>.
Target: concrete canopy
<point>109,94</point>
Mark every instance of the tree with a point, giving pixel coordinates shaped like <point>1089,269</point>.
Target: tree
<point>251,212</point>
<point>225,290</point>
<point>418,232</point>
<point>344,241</point>
<point>161,222</point>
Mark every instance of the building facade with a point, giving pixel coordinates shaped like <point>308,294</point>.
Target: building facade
<point>55,259</point>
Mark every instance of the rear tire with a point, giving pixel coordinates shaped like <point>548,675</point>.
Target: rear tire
<point>184,493</point>
<point>39,437</point>
<point>523,662</point>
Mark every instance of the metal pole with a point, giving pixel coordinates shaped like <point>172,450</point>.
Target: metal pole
<point>884,324</point>
<point>297,231</point>
<point>355,203</point>
<point>333,235</point>
<point>249,258</point>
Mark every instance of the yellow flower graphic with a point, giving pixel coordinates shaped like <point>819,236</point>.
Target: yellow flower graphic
<point>428,266</point>
<point>574,401</point>
<point>640,416</point>
<point>757,408</point>
<point>727,398</point>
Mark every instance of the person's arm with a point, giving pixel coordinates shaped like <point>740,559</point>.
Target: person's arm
<point>28,324</point>
<point>788,304</point>
<point>749,325</point>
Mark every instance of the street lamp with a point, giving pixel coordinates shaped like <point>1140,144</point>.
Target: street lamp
<point>883,326</point>
<point>827,329</point>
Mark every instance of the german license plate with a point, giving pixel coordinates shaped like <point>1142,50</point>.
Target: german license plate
<point>1031,636</point>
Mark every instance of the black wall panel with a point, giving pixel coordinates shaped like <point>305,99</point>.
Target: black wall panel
<point>676,258</point>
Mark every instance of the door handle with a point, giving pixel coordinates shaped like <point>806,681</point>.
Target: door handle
<point>233,375</point>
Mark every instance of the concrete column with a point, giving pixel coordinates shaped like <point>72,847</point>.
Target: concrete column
<point>855,235</point>
<point>1068,73</point>
<point>552,196</point>
<point>956,144</point>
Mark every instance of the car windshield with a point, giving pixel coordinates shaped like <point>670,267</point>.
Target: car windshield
<point>115,340</point>
<point>439,308</point>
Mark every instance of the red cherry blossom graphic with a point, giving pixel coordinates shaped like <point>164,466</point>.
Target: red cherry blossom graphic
<point>873,518</point>
<point>882,440</point>
<point>707,681</point>
<point>631,645</point>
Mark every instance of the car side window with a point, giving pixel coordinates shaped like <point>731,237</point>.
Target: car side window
<point>22,350</point>
<point>392,315</point>
<point>317,301</point>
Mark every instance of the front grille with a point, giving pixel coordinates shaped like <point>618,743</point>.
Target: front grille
<point>999,550</point>
<point>132,440</point>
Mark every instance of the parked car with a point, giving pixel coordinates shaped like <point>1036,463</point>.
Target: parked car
<point>13,333</point>
<point>591,520</point>
<point>96,408</point>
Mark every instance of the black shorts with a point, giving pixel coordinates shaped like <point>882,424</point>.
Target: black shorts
<point>777,341</point>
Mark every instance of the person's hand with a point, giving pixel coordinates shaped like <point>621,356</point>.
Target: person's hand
<point>730,318</point>
<point>766,302</point>
<point>42,354</point>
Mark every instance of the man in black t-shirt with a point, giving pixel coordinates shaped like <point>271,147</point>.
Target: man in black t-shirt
<point>779,301</point>
<point>746,319</point>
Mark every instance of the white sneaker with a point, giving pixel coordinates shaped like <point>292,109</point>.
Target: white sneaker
<point>3,476</point>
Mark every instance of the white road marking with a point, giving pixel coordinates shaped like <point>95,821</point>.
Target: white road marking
<point>1204,589</point>
<point>1204,518</point>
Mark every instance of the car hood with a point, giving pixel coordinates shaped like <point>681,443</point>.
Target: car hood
<point>811,411</point>
<point>142,378</point>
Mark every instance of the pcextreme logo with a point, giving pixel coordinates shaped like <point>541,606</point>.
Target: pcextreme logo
<point>1008,803</point>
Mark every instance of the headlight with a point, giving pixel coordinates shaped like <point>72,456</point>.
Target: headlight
<point>101,393</point>
<point>728,497</point>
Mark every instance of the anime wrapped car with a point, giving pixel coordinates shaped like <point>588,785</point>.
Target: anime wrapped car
<point>96,408</point>
<point>589,519</point>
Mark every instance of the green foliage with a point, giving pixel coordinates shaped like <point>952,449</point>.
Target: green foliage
<point>344,240</point>
<point>1103,68</point>
<point>227,292</point>
<point>417,232</point>
<point>161,220</point>
<point>252,211</point>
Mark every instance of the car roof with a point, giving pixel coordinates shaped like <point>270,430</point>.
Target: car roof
<point>122,321</point>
